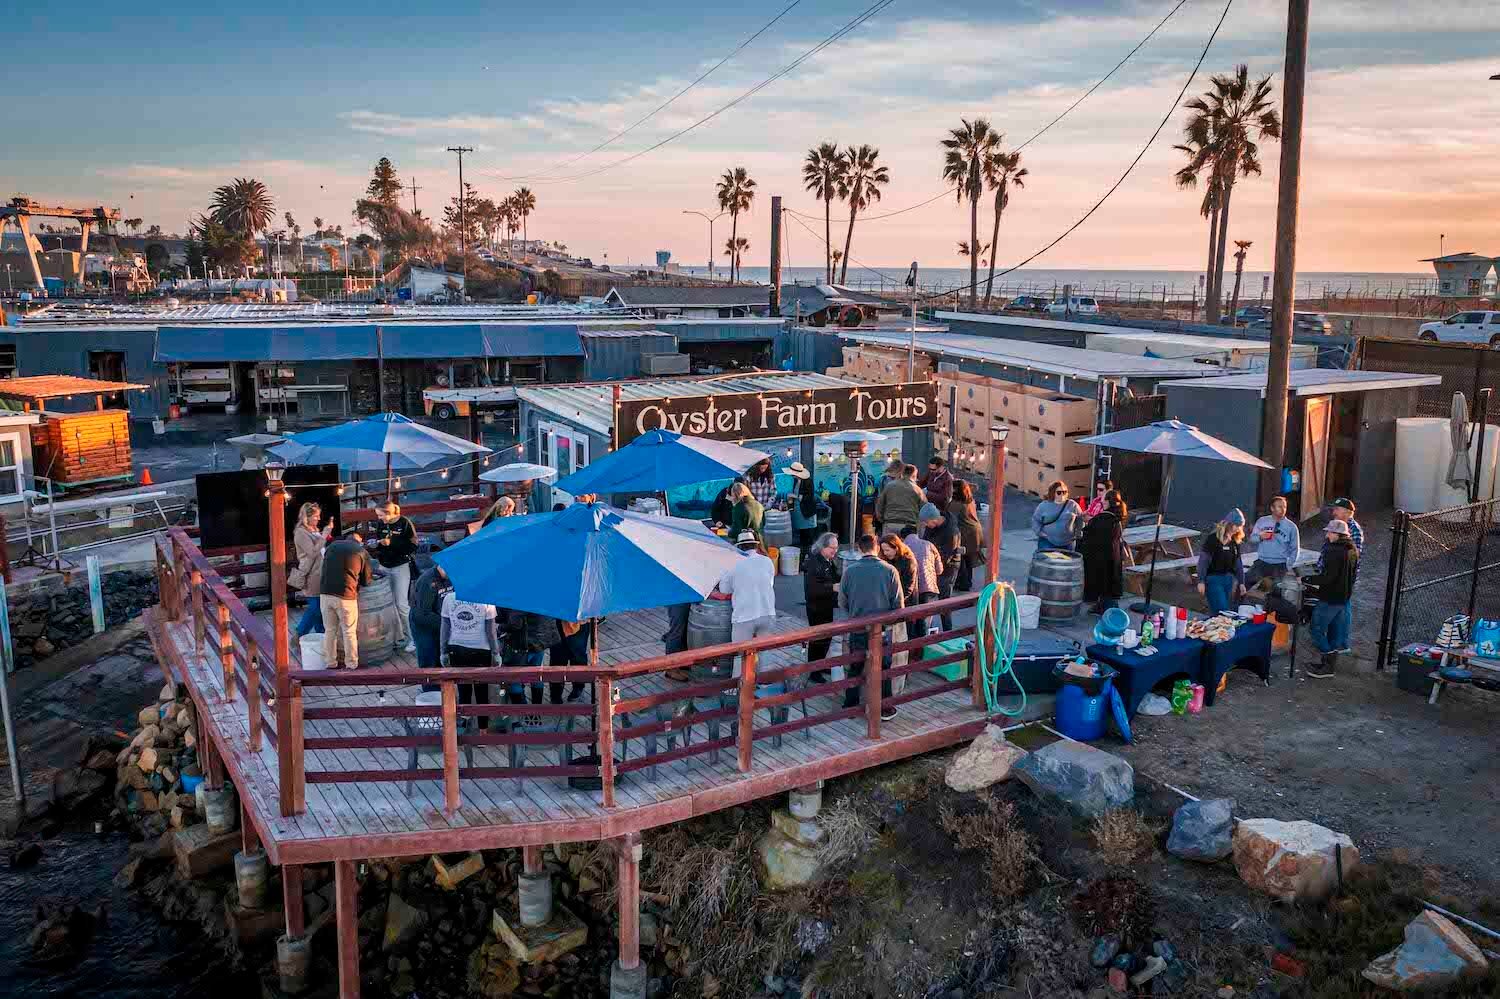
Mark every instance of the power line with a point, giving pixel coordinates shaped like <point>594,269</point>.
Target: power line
<point>864,16</point>
<point>665,104</point>
<point>1047,127</point>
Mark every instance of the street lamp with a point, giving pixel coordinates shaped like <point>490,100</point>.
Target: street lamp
<point>998,433</point>
<point>711,221</point>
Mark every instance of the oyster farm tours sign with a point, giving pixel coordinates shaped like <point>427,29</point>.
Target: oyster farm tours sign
<point>768,415</point>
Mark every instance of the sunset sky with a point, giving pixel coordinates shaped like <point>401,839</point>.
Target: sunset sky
<point>151,111</point>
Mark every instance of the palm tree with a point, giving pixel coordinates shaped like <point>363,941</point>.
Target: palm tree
<point>838,255</point>
<point>1222,131</point>
<point>823,172</point>
<point>524,204</point>
<point>134,225</point>
<point>863,178</point>
<point>1239,272</point>
<point>965,151</point>
<point>734,249</point>
<point>963,250</point>
<point>1002,171</point>
<point>244,207</point>
<point>317,226</point>
<point>1199,150</point>
<point>735,192</point>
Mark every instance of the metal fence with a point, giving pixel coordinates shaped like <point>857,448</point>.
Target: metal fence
<point>1465,368</point>
<point>1442,563</point>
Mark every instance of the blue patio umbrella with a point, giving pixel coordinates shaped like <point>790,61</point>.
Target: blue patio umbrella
<point>659,460</point>
<point>1172,440</point>
<point>386,440</point>
<point>588,561</point>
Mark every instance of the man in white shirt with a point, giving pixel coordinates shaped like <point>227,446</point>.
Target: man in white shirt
<point>469,638</point>
<point>751,586</point>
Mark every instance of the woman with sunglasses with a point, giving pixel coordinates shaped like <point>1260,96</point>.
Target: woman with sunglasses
<point>1056,520</point>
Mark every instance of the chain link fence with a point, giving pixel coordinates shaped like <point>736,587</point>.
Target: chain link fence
<point>1442,563</point>
<point>1465,368</point>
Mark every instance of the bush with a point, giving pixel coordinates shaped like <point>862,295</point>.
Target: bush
<point>1009,857</point>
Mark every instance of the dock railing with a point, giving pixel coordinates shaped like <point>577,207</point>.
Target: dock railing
<point>621,732</point>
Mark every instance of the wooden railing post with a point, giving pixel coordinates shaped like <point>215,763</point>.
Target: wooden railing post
<point>226,650</point>
<point>976,677</point>
<point>451,800</point>
<point>746,735</point>
<point>874,663</point>
<point>289,745</point>
<point>604,709</point>
<point>195,579</point>
<point>252,690</point>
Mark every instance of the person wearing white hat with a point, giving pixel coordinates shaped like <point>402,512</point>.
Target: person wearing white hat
<point>1335,585</point>
<point>751,587</point>
<point>804,501</point>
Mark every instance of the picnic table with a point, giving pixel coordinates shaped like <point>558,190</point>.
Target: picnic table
<point>1144,536</point>
<point>1468,658</point>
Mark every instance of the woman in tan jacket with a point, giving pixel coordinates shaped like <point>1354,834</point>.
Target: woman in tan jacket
<point>309,540</point>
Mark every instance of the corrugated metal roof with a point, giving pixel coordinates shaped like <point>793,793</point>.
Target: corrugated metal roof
<point>266,343</point>
<point>601,334</point>
<point>64,314</point>
<point>1317,381</point>
<point>1071,362</point>
<point>693,297</point>
<point>592,405</point>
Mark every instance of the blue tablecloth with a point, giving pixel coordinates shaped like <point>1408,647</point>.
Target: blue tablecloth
<point>1138,674</point>
<point>1250,647</point>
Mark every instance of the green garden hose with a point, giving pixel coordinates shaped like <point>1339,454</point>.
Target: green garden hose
<point>997,635</point>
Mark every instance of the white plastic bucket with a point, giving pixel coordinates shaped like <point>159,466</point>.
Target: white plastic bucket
<point>311,649</point>
<point>791,560</point>
<point>1029,609</point>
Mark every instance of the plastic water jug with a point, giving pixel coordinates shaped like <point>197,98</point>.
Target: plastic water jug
<point>1486,637</point>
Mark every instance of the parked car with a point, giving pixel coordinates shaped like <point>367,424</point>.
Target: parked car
<point>1027,303</point>
<point>1464,327</point>
<point>1251,313</point>
<point>1077,305</point>
<point>1303,323</point>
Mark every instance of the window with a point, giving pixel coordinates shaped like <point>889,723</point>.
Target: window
<point>8,360</point>
<point>10,466</point>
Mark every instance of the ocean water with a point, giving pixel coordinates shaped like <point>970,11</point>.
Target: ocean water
<point>1105,283</point>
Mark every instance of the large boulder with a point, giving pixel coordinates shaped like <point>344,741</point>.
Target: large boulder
<point>1202,830</point>
<point>1434,955</point>
<point>987,760</point>
<point>402,922</point>
<point>1291,860</point>
<point>1088,780</point>
<point>791,852</point>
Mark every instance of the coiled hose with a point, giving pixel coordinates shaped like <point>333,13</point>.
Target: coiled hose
<point>997,634</point>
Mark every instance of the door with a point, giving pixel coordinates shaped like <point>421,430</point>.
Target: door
<point>564,449</point>
<point>1315,427</point>
<point>109,366</point>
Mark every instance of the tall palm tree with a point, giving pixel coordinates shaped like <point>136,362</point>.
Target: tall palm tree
<point>244,207</point>
<point>735,192</point>
<point>734,249</point>
<point>1239,272</point>
<point>1002,171</point>
<point>1199,150</point>
<point>965,151</point>
<point>318,226</point>
<point>1233,114</point>
<point>822,173</point>
<point>524,203</point>
<point>863,178</point>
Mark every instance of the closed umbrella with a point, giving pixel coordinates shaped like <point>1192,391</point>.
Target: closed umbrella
<point>386,440</point>
<point>1459,473</point>
<point>1172,440</point>
<point>659,460</point>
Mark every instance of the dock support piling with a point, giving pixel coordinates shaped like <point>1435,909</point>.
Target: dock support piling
<point>534,888</point>
<point>627,979</point>
<point>346,902</point>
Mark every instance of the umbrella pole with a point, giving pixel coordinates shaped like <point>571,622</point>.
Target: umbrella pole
<point>388,476</point>
<point>1144,607</point>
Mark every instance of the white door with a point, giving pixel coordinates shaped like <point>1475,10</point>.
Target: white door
<point>564,449</point>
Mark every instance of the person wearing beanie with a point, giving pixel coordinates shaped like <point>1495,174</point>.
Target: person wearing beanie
<point>940,529</point>
<point>1221,574</point>
<point>1335,585</point>
<point>938,482</point>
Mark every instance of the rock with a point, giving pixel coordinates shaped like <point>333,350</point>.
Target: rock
<point>75,788</point>
<point>190,739</point>
<point>588,883</point>
<point>133,776</point>
<point>179,817</point>
<point>402,922</point>
<point>1436,954</point>
<point>812,934</point>
<point>806,832</point>
<point>148,717</point>
<point>1291,860</point>
<point>43,648</point>
<point>492,972</point>
<point>199,851</point>
<point>24,856</point>
<point>149,759</point>
<point>1226,992</point>
<point>168,692</point>
<point>785,863</point>
<point>102,760</point>
<point>1117,981</point>
<point>987,760</point>
<point>1164,950</point>
<point>1153,967</point>
<point>1202,830</point>
<point>649,930</point>
<point>130,874</point>
<point>1088,780</point>
<point>1105,949</point>
<point>146,737</point>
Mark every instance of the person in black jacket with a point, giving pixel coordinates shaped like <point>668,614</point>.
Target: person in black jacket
<point>395,541</point>
<point>527,639</point>
<point>722,510</point>
<point>1103,550</point>
<point>942,530</point>
<point>427,616</point>
<point>820,588</point>
<point>1335,584</point>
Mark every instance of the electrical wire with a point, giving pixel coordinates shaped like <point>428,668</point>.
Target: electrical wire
<point>861,18</point>
<point>1047,127</point>
<point>662,106</point>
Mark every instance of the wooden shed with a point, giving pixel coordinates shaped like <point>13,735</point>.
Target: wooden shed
<point>75,448</point>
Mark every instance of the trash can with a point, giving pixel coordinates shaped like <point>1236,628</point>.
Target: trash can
<point>1083,703</point>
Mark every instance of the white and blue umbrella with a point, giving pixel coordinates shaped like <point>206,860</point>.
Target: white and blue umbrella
<point>385,440</point>
<point>659,460</point>
<point>588,561</point>
<point>1171,439</point>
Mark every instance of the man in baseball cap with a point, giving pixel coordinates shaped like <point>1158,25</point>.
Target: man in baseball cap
<point>1335,585</point>
<point>1342,509</point>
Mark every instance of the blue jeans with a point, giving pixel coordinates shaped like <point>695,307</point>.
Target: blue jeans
<point>516,692</point>
<point>1330,627</point>
<point>312,618</point>
<point>1219,590</point>
<point>429,654</point>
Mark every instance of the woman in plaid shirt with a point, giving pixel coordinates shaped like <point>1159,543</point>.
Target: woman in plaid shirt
<point>762,482</point>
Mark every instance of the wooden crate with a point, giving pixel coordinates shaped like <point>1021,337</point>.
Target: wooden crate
<point>82,447</point>
<point>1015,471</point>
<point>1062,450</point>
<point>1008,402</point>
<point>1061,414</point>
<point>1041,474</point>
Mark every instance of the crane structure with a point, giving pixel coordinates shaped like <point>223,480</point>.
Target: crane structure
<point>21,210</point>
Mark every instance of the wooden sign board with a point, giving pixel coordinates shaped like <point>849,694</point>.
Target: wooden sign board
<point>771,415</point>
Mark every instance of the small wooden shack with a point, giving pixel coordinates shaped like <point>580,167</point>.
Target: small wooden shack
<point>79,447</point>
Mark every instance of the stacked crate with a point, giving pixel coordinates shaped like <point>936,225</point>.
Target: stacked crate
<point>883,365</point>
<point>1044,429</point>
<point>1054,424</point>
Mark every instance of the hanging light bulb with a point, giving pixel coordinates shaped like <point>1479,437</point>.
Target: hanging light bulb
<point>338,490</point>
<point>396,482</point>
<point>443,474</point>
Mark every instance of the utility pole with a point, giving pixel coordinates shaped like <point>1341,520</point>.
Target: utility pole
<point>775,254</point>
<point>414,190</point>
<point>711,219</point>
<point>463,222</point>
<point>1284,275</point>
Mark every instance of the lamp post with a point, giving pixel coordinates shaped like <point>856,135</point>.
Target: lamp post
<point>711,221</point>
<point>998,452</point>
<point>280,653</point>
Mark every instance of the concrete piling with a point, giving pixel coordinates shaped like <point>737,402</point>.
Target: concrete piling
<point>252,872</point>
<point>293,956</point>
<point>535,892</point>
<point>806,802</point>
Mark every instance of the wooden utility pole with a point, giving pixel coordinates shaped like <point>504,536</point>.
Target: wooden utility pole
<point>463,221</point>
<point>414,190</point>
<point>1278,371</point>
<point>776,255</point>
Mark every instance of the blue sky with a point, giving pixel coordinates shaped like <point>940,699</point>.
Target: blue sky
<point>152,111</point>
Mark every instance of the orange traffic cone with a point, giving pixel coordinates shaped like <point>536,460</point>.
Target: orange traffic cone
<point>146,477</point>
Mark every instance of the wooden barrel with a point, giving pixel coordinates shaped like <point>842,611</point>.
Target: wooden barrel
<point>377,622</point>
<point>776,528</point>
<point>1057,577</point>
<point>710,623</point>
